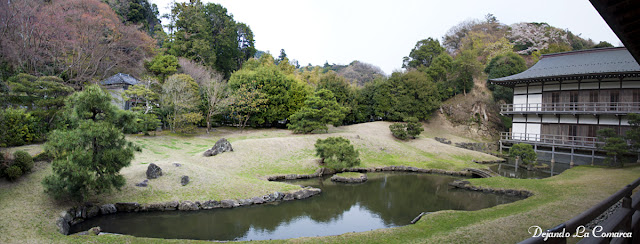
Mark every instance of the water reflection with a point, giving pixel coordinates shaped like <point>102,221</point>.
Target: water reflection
<point>385,200</point>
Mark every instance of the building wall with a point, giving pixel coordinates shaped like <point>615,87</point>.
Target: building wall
<point>529,97</point>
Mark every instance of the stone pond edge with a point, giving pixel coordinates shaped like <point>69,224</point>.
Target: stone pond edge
<point>79,214</point>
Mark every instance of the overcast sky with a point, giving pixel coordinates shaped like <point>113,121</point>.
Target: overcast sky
<point>382,32</point>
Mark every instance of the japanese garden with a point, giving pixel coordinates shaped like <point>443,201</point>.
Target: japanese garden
<point>120,124</point>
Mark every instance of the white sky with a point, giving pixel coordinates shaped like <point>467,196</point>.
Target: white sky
<point>382,32</point>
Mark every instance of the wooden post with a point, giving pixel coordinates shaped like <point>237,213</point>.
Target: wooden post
<point>593,156</point>
<point>517,159</point>
<point>571,163</point>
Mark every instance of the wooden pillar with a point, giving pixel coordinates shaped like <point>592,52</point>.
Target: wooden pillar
<point>571,164</point>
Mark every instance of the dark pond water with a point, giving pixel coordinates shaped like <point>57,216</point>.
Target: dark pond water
<point>509,170</point>
<point>386,200</point>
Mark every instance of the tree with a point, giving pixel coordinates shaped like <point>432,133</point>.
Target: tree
<point>247,101</point>
<point>337,153</point>
<point>276,85</point>
<point>414,127</point>
<point>207,34</point>
<point>162,66</point>
<point>603,44</point>
<point>423,53</point>
<point>614,145</point>
<point>78,40</point>
<point>181,98</point>
<point>399,130</point>
<point>217,96</point>
<point>143,97</point>
<point>633,135</point>
<point>318,111</point>
<point>466,66</point>
<point>525,152</point>
<point>502,66</point>
<point>89,153</point>
<point>282,57</point>
<point>411,129</point>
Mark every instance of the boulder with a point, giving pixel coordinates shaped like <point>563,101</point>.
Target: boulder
<point>173,205</point>
<point>184,180</point>
<point>221,146</point>
<point>188,206</point>
<point>288,197</point>
<point>153,171</point>
<point>127,206</point>
<point>108,209</point>
<point>257,200</point>
<point>63,226</point>
<point>93,211</point>
<point>229,203</point>
<point>95,230</point>
<point>177,164</point>
<point>210,204</point>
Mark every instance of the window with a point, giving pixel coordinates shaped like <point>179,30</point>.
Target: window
<point>636,100</point>
<point>573,99</point>
<point>555,99</point>
<point>573,132</point>
<point>614,99</point>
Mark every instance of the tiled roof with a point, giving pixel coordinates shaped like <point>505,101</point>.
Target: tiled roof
<point>120,78</point>
<point>602,61</point>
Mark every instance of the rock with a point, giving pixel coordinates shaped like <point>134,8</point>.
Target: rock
<point>95,230</point>
<point>92,211</point>
<point>81,212</point>
<point>173,205</point>
<point>108,209</point>
<point>188,206</point>
<point>359,179</point>
<point>257,200</point>
<point>177,164</point>
<point>210,204</point>
<point>66,216</point>
<point>63,226</point>
<point>144,183</point>
<point>221,146</point>
<point>288,197</point>
<point>245,202</point>
<point>184,180</point>
<point>127,207</point>
<point>153,171</point>
<point>443,140</point>
<point>229,203</point>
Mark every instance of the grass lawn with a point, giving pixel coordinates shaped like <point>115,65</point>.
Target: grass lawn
<point>28,215</point>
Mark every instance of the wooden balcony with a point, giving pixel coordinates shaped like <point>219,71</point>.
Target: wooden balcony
<point>561,141</point>
<point>593,108</point>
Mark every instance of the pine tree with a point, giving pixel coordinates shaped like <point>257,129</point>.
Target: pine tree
<point>90,151</point>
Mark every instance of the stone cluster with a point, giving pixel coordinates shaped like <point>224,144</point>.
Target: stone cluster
<point>443,140</point>
<point>342,179</point>
<point>463,184</point>
<point>81,213</point>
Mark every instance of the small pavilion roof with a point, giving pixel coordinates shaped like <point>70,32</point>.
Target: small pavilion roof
<point>583,64</point>
<point>120,78</point>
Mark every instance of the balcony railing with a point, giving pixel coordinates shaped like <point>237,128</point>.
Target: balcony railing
<point>582,142</point>
<point>572,108</point>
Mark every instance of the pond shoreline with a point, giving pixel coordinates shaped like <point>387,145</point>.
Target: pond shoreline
<point>81,213</point>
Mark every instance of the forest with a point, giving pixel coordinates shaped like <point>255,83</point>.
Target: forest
<point>199,67</point>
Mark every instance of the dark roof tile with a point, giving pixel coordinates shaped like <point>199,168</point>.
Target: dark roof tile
<point>584,62</point>
<point>120,78</point>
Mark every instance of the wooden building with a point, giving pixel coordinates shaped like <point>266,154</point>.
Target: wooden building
<point>563,100</point>
<point>116,85</point>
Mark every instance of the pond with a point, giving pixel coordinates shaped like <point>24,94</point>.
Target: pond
<point>508,169</point>
<point>385,200</point>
